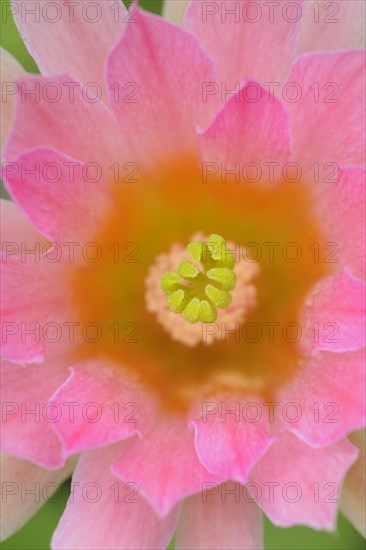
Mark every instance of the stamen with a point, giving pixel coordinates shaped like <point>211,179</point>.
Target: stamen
<point>204,290</point>
<point>208,281</point>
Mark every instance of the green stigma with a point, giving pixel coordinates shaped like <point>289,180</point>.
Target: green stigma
<point>196,293</point>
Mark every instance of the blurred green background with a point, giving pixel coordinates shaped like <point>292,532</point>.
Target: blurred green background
<point>36,535</point>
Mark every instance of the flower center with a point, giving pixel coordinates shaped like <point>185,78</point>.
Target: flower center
<point>186,320</point>
<point>212,284</point>
<point>201,293</point>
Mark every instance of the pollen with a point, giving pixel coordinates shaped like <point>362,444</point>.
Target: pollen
<point>205,282</point>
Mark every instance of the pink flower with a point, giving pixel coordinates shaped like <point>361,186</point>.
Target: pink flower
<point>169,425</point>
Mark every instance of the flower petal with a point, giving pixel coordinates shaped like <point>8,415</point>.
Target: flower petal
<point>220,519</point>
<point>62,202</point>
<point>18,476</point>
<point>231,435</point>
<point>245,131</point>
<point>107,406</point>
<point>165,465</point>
<point>173,10</point>
<point>354,488</point>
<point>105,514</point>
<point>63,38</point>
<point>16,230</point>
<point>334,314</point>
<point>297,484</point>
<point>27,419</point>
<point>244,39</point>
<point>68,119</point>
<point>341,209</point>
<point>10,70</point>
<point>325,94</point>
<point>332,26</point>
<point>159,70</point>
<point>32,320</point>
<point>328,397</point>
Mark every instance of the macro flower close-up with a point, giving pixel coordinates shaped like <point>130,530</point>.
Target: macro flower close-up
<point>183,267</point>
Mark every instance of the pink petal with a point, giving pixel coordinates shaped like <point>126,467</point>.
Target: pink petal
<point>353,501</point>
<point>334,314</point>
<point>10,71</point>
<point>34,307</point>
<point>26,418</point>
<point>246,131</point>
<point>328,396</point>
<point>16,231</point>
<point>62,202</point>
<point>19,476</point>
<point>220,519</point>
<point>100,404</point>
<point>62,38</point>
<point>165,465</point>
<point>325,94</point>
<point>249,42</point>
<point>332,26</point>
<point>231,435</point>
<point>67,119</point>
<point>105,514</point>
<point>297,484</point>
<point>341,208</point>
<point>159,70</point>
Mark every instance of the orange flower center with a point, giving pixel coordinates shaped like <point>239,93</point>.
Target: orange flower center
<point>273,234</point>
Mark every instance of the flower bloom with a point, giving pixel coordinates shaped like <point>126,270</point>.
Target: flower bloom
<point>183,263</point>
